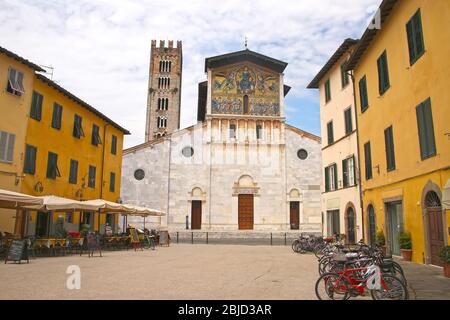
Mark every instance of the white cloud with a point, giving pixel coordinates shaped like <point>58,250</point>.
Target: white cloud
<point>100,49</point>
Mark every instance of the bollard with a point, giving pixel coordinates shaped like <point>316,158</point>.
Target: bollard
<point>285,238</point>
<point>192,238</point>
<point>271,238</point>
<point>177,236</point>
<point>207,238</point>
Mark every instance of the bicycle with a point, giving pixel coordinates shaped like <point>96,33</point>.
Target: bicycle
<point>353,282</point>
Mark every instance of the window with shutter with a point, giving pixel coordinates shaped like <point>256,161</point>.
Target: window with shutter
<point>414,34</point>
<point>15,82</point>
<point>30,159</point>
<point>389,145</point>
<point>114,144</point>
<point>7,141</point>
<point>92,172</point>
<point>330,133</point>
<point>368,161</point>
<point>426,130</point>
<point>345,177</point>
<point>327,179</point>
<point>363,94</point>
<point>344,76</point>
<point>78,127</point>
<point>95,140</point>
<point>52,166</point>
<point>36,106</point>
<point>348,121</point>
<point>383,73</point>
<point>327,91</point>
<point>73,176</point>
<point>112,181</point>
<point>335,177</point>
<point>56,116</point>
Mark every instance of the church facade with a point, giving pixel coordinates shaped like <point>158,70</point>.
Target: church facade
<point>241,167</point>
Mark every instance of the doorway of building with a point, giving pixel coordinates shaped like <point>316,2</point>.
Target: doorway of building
<point>351,230</point>
<point>196,215</point>
<point>42,224</point>
<point>295,215</point>
<point>372,227</point>
<point>245,211</point>
<point>333,222</point>
<point>394,225</point>
<point>435,226</point>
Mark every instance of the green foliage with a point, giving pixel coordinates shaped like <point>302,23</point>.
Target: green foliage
<point>381,240</point>
<point>445,254</point>
<point>84,230</point>
<point>404,239</point>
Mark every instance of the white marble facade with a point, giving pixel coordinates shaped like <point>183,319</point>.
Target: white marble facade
<point>222,167</point>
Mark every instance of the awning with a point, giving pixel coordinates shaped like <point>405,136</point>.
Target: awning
<point>105,205</point>
<point>12,200</point>
<point>134,210</point>
<point>54,203</point>
<point>446,195</point>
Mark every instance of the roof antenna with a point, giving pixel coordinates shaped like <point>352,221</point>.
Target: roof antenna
<point>49,70</point>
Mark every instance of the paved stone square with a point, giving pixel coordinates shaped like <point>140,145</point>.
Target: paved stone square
<point>187,271</point>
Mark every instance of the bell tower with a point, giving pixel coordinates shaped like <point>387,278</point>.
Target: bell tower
<point>164,89</point>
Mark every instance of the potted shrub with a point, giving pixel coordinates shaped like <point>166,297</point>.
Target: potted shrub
<point>404,239</point>
<point>445,256</point>
<point>381,241</point>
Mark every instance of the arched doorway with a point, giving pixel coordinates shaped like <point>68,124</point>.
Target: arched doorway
<point>351,225</point>
<point>372,226</point>
<point>435,230</point>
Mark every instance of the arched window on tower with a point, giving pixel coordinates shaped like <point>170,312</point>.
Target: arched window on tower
<point>246,104</point>
<point>159,103</point>
<point>170,66</point>
<point>168,83</point>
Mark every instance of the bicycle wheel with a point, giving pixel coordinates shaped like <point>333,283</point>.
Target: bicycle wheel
<point>295,246</point>
<point>332,286</point>
<point>392,289</point>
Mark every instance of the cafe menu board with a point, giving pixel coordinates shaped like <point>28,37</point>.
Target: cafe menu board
<point>134,235</point>
<point>164,238</point>
<point>17,252</point>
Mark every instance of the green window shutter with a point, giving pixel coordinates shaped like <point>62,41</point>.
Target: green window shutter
<point>348,121</point>
<point>344,76</point>
<point>418,35</point>
<point>114,144</point>
<point>73,176</point>
<point>354,182</point>
<point>428,115</point>
<point>335,177</point>
<point>363,94</point>
<point>112,181</point>
<point>94,138</point>
<point>383,73</point>
<point>36,106</point>
<point>78,127</point>
<point>426,129</point>
<point>327,179</point>
<point>52,166</point>
<point>57,116</point>
<point>30,159</point>
<point>330,132</point>
<point>368,161</point>
<point>92,172</point>
<point>411,45</point>
<point>389,146</point>
<point>327,90</point>
<point>345,173</point>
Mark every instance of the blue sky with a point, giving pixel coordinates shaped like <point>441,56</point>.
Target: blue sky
<point>100,49</point>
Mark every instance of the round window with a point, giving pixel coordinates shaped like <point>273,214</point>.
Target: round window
<point>139,174</point>
<point>302,154</point>
<point>188,152</point>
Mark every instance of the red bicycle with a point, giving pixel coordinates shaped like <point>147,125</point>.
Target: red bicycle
<point>353,282</point>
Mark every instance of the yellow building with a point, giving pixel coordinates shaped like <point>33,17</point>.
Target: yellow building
<point>16,75</point>
<point>73,151</point>
<point>401,69</point>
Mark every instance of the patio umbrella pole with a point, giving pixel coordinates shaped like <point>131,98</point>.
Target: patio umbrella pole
<point>144,222</point>
<point>98,221</point>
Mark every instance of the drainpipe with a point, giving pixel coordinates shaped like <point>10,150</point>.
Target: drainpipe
<point>103,170</point>
<point>359,155</point>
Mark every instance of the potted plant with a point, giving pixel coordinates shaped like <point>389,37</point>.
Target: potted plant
<point>381,241</point>
<point>445,256</point>
<point>404,239</point>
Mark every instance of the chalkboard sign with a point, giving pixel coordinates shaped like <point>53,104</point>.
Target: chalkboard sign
<point>18,251</point>
<point>93,244</point>
<point>134,235</point>
<point>164,238</point>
